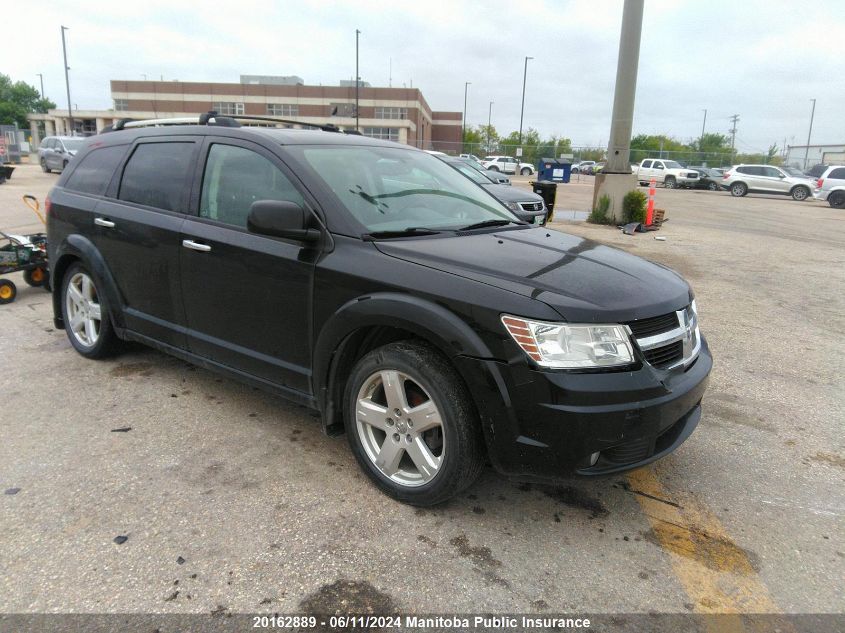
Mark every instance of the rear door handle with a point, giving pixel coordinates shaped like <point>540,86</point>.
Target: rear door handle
<point>103,222</point>
<point>196,246</point>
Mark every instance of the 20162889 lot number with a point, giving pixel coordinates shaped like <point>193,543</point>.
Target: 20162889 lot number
<point>284,622</point>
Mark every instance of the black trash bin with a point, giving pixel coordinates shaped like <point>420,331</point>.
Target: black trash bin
<point>547,191</point>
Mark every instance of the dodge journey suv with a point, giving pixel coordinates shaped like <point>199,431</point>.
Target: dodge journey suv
<point>380,286</point>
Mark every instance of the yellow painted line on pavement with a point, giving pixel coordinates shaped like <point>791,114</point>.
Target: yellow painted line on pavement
<point>717,575</point>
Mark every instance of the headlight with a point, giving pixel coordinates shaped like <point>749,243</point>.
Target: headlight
<point>513,206</point>
<point>568,346</point>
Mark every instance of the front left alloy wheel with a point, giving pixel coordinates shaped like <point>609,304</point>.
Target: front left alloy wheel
<point>411,424</point>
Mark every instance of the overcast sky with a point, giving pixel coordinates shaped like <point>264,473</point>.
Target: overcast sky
<point>761,60</point>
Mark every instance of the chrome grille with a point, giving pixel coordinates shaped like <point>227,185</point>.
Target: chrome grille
<point>670,340</point>
<point>531,206</point>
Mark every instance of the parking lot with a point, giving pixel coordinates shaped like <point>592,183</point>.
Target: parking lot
<point>231,500</point>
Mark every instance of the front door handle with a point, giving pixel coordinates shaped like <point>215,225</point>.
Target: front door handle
<point>103,222</point>
<point>196,246</point>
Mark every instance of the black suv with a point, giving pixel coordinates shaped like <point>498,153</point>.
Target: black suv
<point>376,284</point>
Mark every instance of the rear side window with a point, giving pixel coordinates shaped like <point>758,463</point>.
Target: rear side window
<point>156,174</point>
<point>751,171</point>
<point>839,173</point>
<point>95,172</point>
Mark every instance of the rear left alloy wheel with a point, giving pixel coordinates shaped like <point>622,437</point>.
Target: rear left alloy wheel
<point>86,314</point>
<point>411,424</point>
<point>713,186</point>
<point>837,200</point>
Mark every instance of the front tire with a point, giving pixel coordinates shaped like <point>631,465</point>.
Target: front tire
<point>8,291</point>
<point>837,199</point>
<point>411,424</point>
<point>800,193</point>
<point>44,167</point>
<point>85,311</point>
<point>670,183</point>
<point>739,189</point>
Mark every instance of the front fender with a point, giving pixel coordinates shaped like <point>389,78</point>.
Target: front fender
<point>77,247</point>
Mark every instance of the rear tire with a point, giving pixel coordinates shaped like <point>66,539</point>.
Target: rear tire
<point>525,171</point>
<point>713,186</point>
<point>493,168</point>
<point>36,277</point>
<point>412,425</point>
<point>739,189</point>
<point>837,199</point>
<point>8,291</point>
<point>85,311</point>
<point>800,193</point>
<point>64,165</point>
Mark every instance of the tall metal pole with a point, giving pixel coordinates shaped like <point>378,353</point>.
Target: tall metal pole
<point>489,124</point>
<point>809,134</point>
<point>522,109</point>
<point>703,123</point>
<point>42,83</point>
<point>622,120</point>
<point>357,80</point>
<point>464,118</point>
<point>67,82</point>
<point>734,120</point>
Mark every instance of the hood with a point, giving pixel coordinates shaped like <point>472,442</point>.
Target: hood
<point>584,281</point>
<point>507,193</point>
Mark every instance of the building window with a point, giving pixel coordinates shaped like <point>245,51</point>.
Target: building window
<point>342,109</point>
<point>386,133</point>
<point>391,113</point>
<point>283,109</point>
<point>121,105</point>
<point>229,107</point>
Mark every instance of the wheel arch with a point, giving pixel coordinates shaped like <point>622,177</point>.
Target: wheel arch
<point>368,322</point>
<point>77,248</point>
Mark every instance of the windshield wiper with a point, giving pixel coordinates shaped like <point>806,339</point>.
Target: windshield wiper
<point>489,223</point>
<point>406,232</point>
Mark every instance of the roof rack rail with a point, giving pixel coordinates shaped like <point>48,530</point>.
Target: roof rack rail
<point>213,118</point>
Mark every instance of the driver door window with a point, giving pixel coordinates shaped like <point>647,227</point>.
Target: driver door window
<point>236,177</point>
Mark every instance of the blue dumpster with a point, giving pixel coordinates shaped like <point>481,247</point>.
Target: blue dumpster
<point>554,169</point>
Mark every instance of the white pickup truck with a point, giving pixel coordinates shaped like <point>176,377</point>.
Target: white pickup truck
<point>673,175</point>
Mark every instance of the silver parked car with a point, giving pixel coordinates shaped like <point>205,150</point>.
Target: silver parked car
<point>744,179</point>
<point>831,187</point>
<point>55,152</point>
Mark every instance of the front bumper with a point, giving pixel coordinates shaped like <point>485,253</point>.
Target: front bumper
<point>546,425</point>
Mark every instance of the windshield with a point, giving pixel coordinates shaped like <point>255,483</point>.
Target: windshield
<point>670,164</point>
<point>391,189</point>
<point>485,173</point>
<point>470,173</point>
<point>792,171</point>
<point>74,144</point>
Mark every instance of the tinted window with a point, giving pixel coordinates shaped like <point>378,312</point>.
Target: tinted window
<point>839,173</point>
<point>235,178</point>
<point>48,143</point>
<point>771,172</point>
<point>646,164</point>
<point>155,175</point>
<point>94,173</point>
<point>751,171</point>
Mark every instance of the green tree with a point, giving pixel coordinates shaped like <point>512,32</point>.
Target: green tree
<point>650,145</point>
<point>19,99</point>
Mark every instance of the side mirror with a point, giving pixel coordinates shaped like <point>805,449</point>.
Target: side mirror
<point>280,218</point>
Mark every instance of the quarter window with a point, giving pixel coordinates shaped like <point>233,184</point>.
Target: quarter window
<point>155,175</point>
<point>235,178</point>
<point>838,174</point>
<point>230,108</point>
<point>95,172</point>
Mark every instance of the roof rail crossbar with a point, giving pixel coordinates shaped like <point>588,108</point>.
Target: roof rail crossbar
<point>326,127</point>
<point>213,118</point>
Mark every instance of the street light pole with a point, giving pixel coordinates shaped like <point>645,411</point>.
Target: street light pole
<point>522,109</point>
<point>703,123</point>
<point>357,80</point>
<point>464,119</point>
<point>42,84</point>
<point>67,81</point>
<point>489,124</point>
<point>809,134</point>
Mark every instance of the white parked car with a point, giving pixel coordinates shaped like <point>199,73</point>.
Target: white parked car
<point>831,187</point>
<point>507,165</point>
<point>743,179</point>
<point>583,167</point>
